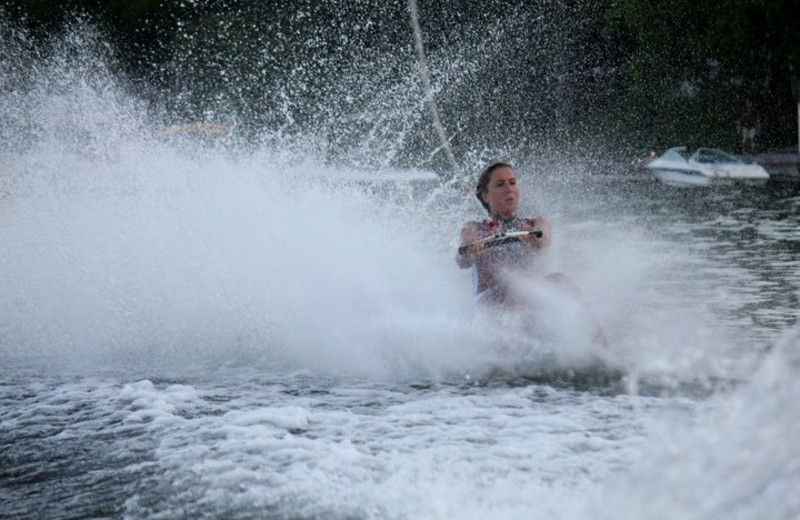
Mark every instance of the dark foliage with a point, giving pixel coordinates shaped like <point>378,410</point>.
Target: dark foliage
<point>624,74</point>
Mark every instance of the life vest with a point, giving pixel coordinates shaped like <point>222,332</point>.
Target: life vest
<point>491,268</point>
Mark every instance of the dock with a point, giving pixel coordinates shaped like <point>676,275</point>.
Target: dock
<point>782,165</point>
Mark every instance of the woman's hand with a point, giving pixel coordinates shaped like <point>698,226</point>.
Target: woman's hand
<point>472,246</point>
<point>541,239</point>
<point>477,247</point>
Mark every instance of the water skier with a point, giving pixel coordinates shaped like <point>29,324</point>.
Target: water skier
<point>505,247</point>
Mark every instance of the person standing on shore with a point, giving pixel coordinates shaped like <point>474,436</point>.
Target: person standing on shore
<point>748,126</point>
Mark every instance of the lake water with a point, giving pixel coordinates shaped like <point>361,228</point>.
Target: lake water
<point>191,328</point>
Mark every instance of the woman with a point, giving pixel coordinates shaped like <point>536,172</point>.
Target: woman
<point>496,268</point>
<point>498,192</point>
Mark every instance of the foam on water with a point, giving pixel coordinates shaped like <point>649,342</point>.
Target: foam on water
<point>336,451</point>
<point>739,460</point>
<point>303,445</point>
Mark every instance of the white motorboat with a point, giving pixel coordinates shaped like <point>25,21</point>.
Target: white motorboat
<point>705,167</point>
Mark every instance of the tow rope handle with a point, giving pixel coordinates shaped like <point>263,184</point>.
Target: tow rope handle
<point>505,238</point>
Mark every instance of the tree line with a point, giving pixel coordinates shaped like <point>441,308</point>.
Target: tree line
<point>628,74</point>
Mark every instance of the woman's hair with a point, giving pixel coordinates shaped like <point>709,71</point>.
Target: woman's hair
<point>483,181</point>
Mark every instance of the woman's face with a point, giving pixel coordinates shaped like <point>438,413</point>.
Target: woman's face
<point>502,194</point>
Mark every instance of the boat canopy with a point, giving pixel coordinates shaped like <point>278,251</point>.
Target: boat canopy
<point>714,156</point>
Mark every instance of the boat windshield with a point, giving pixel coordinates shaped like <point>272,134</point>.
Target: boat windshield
<point>674,154</point>
<point>712,156</point>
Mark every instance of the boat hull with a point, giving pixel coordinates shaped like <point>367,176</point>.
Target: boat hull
<point>702,175</point>
<point>678,177</point>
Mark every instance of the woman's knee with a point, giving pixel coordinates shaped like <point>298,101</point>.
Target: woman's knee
<point>565,282</point>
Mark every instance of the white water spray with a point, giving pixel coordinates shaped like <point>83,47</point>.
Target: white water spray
<point>126,243</point>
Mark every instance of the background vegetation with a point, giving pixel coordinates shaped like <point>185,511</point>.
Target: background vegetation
<point>621,75</point>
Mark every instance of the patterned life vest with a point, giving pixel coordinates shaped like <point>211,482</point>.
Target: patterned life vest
<point>491,268</point>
